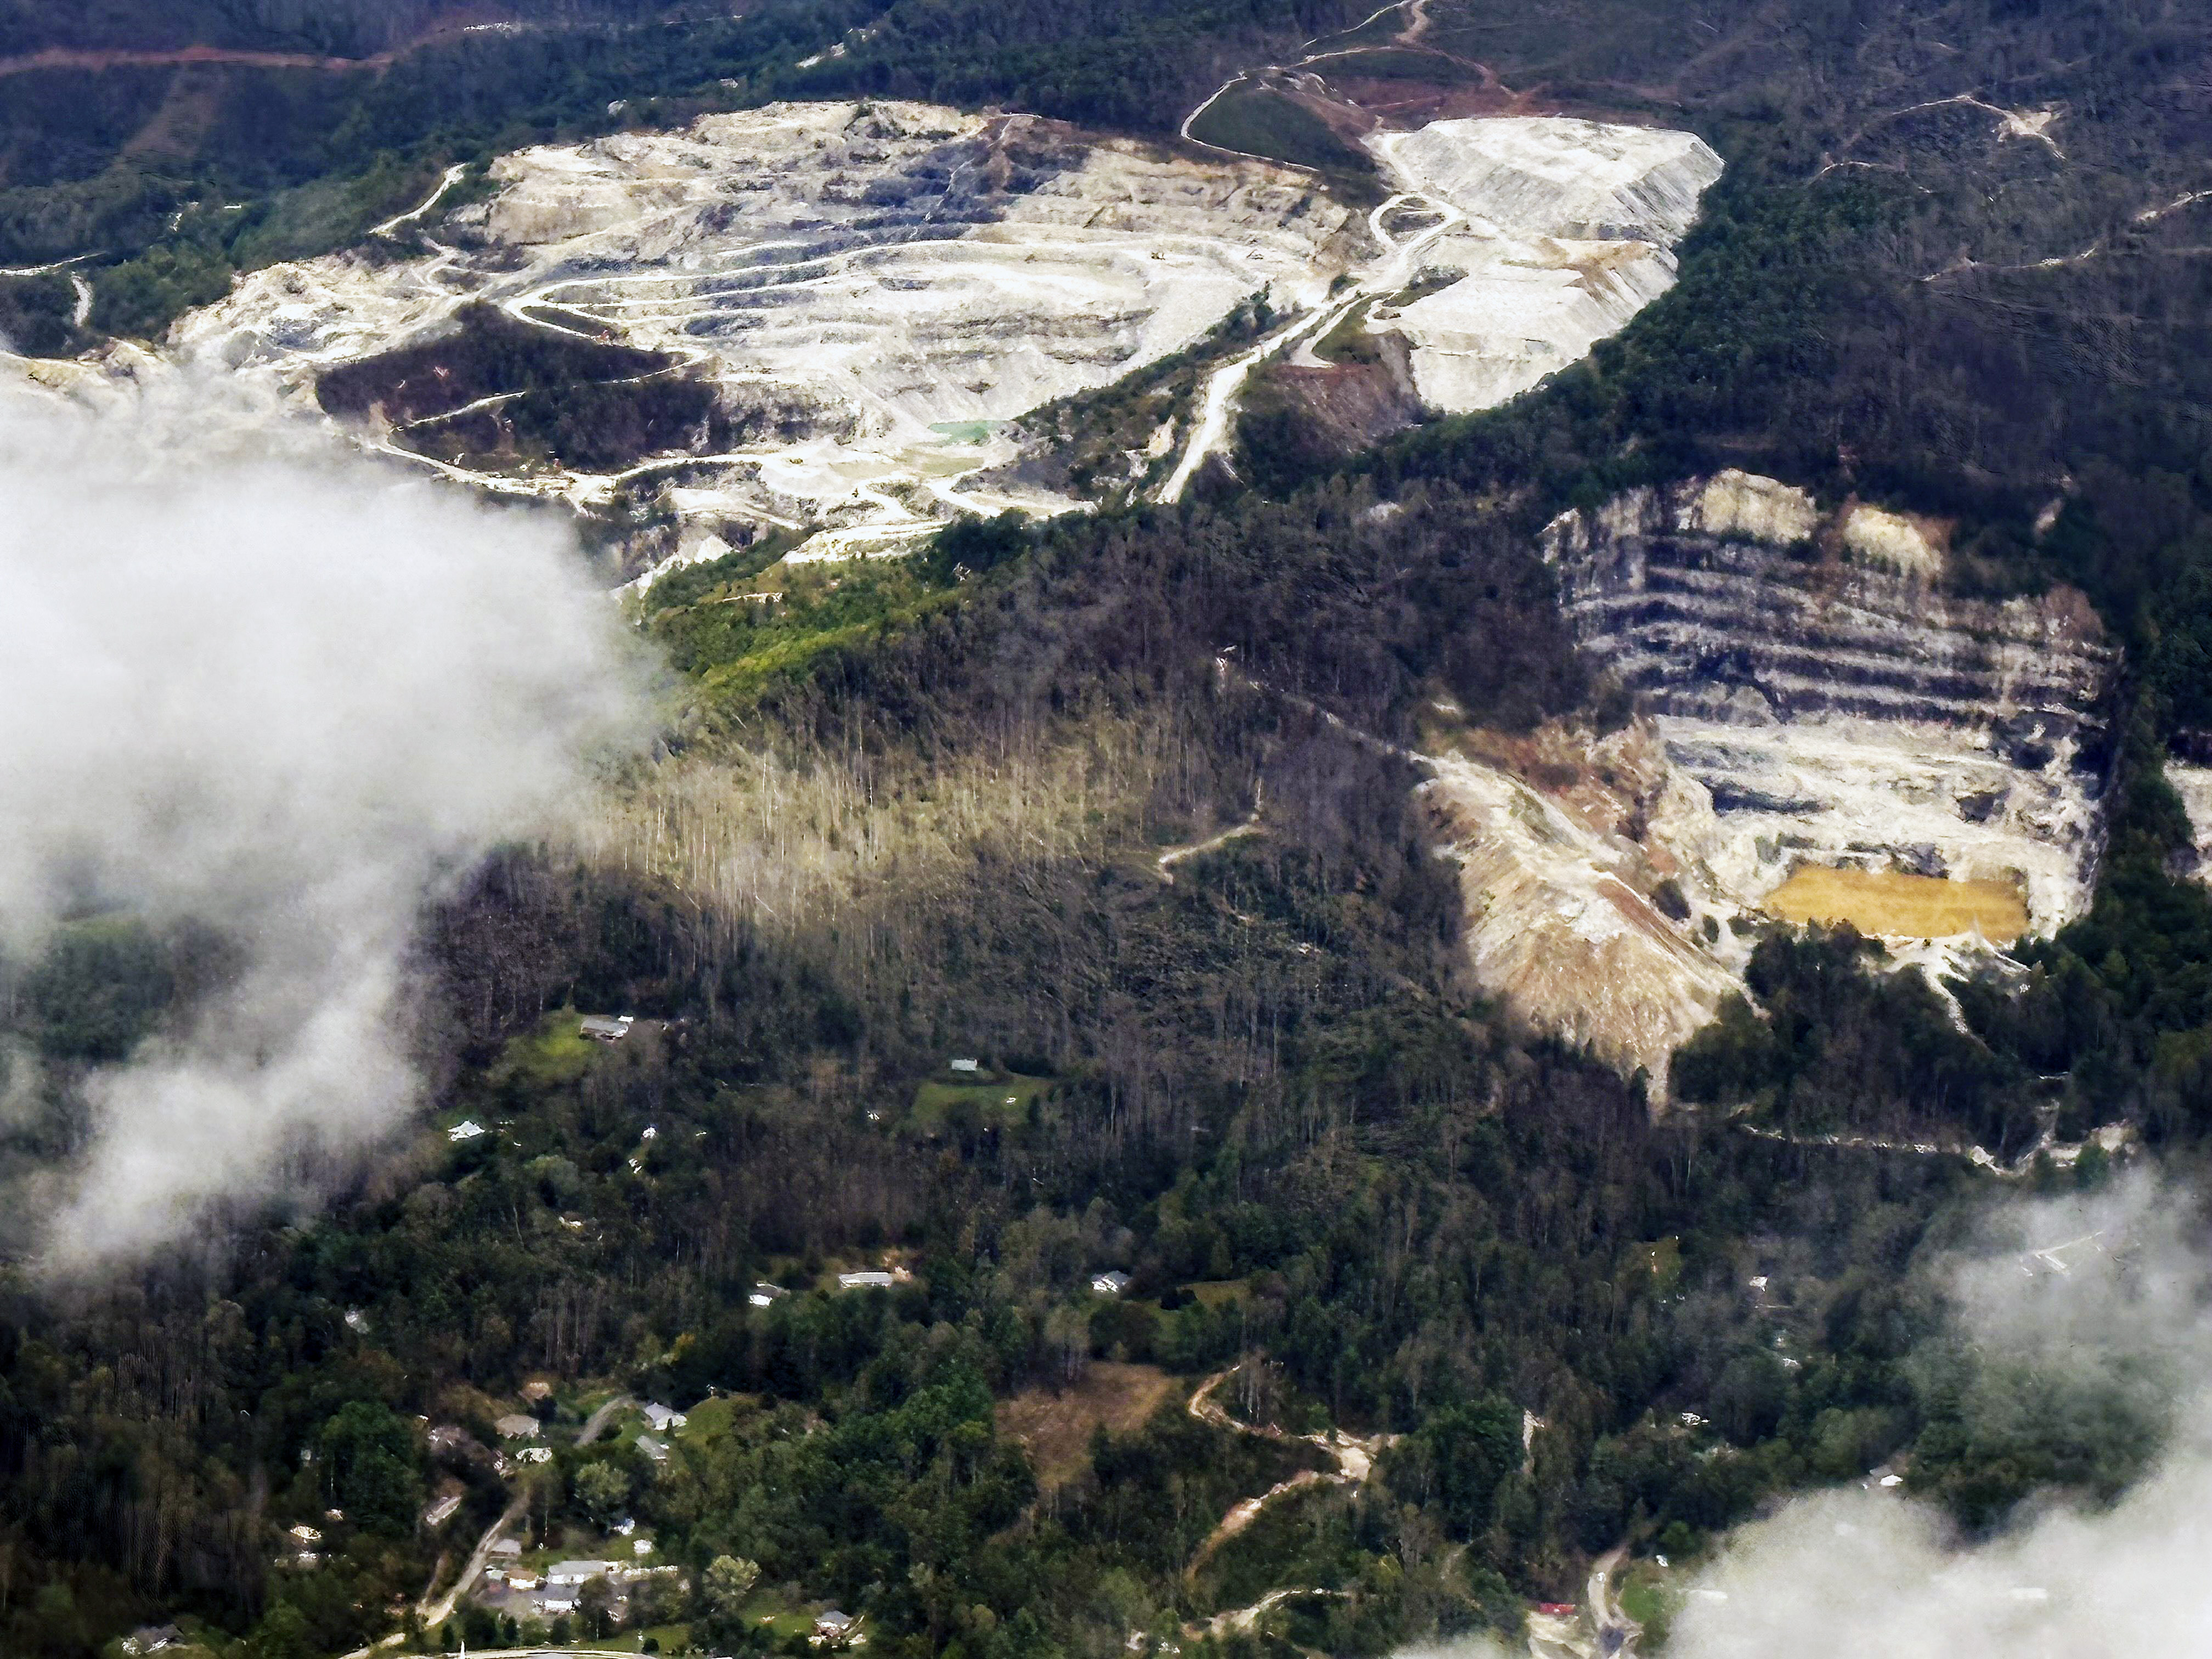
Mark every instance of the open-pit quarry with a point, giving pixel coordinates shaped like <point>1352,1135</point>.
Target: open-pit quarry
<point>1827,737</point>
<point>821,320</point>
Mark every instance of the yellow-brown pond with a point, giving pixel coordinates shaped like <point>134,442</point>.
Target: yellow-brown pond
<point>1891,903</point>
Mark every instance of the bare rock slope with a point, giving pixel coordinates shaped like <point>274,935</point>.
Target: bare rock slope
<point>835,309</point>
<point>1826,735</point>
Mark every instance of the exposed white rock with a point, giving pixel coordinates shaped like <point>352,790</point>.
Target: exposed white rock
<point>1560,923</point>
<point>869,282</point>
<point>1562,229</point>
<point>1840,714</point>
<point>1892,539</point>
<point>2193,784</point>
<point>1521,314</point>
<point>1802,710</point>
<point>873,275</point>
<point>1554,176</point>
<point>1744,507</point>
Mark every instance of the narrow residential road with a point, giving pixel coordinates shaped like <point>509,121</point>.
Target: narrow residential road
<point>435,1613</point>
<point>1616,1631</point>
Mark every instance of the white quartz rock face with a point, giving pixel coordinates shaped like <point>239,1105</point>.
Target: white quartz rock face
<point>1560,925</point>
<point>1744,507</point>
<point>1562,231</point>
<point>1808,697</point>
<point>1892,539</point>
<point>1510,323</point>
<point>1838,711</point>
<point>1554,176</point>
<point>875,289</point>
<point>876,279</point>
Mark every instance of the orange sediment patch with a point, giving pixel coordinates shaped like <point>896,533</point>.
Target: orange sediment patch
<point>1893,905</point>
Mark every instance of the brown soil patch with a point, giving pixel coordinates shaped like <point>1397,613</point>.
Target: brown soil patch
<point>1056,1428</point>
<point>1890,904</point>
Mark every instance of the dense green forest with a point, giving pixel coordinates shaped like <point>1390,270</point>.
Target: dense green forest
<point>1263,1088</point>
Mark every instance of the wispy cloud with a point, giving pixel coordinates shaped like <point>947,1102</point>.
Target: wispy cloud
<point>285,695</point>
<point>2116,1303</point>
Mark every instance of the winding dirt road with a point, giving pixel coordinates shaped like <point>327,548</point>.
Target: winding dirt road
<point>1355,1460</point>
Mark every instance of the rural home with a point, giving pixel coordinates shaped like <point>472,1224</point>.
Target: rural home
<point>516,1426</point>
<point>606,1028</point>
<point>578,1572</point>
<point>1110,1284</point>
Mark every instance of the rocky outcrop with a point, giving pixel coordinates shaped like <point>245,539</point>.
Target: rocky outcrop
<point>1574,915</point>
<point>1836,706</point>
<point>876,291</point>
<point>1809,698</point>
<point>1559,232</point>
<point>1554,176</point>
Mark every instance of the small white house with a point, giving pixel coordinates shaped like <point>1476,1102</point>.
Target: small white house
<point>832,1629</point>
<point>968,1067</point>
<point>357,1322</point>
<point>1110,1284</point>
<point>535,1455</point>
<point>660,1419</point>
<point>578,1572</point>
<point>653,1447</point>
<point>304,1533</point>
<point>467,1129</point>
<point>515,1425</point>
<point>765,1294</point>
<point>872,1280</point>
<point>507,1549</point>
<point>442,1510</point>
<point>602,1028</point>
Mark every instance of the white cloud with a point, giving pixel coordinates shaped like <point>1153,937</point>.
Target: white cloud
<point>288,696</point>
<point>1858,1572</point>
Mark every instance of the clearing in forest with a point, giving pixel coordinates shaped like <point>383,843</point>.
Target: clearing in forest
<point>1056,1427</point>
<point>1890,904</point>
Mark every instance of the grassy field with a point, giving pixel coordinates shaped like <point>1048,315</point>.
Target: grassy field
<point>1216,1291</point>
<point>1055,1428</point>
<point>553,1053</point>
<point>1007,1101</point>
<point>1885,903</point>
<point>1649,1594</point>
<point>710,1419</point>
